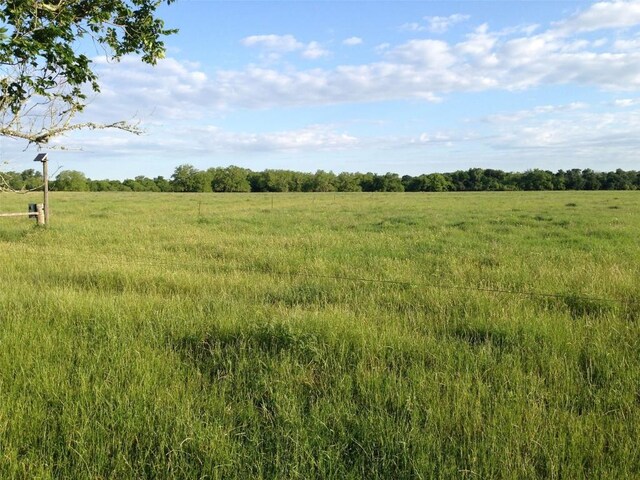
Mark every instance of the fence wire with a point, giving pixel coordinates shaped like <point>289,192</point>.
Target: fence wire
<point>203,268</point>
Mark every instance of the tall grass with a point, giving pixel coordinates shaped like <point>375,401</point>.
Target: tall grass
<point>491,335</point>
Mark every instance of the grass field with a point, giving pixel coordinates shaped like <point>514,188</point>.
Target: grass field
<point>479,335</point>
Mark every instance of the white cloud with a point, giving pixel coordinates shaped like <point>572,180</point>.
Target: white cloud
<point>601,42</point>
<point>211,140</point>
<point>427,69</point>
<point>626,102</point>
<point>429,54</point>
<point>478,47</point>
<point>314,50</point>
<point>352,41</point>
<point>171,90</point>
<point>565,139</point>
<point>627,45</point>
<point>535,112</point>
<point>437,137</point>
<point>312,138</point>
<point>527,29</point>
<point>435,24</point>
<point>575,133</point>
<point>602,15</point>
<point>274,45</point>
<point>278,43</point>
<point>442,24</point>
<point>412,27</point>
<point>267,88</point>
<point>419,69</point>
<point>172,141</point>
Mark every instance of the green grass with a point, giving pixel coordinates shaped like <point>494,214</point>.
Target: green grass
<point>321,336</point>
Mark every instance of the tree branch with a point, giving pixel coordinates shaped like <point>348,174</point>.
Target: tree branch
<point>44,136</point>
<point>44,77</point>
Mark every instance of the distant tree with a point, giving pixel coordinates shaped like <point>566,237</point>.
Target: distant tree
<point>257,181</point>
<point>591,179</point>
<point>32,179</point>
<point>459,180</point>
<point>163,184</point>
<point>367,181</point>
<point>182,178</point>
<point>230,179</point>
<point>278,180</point>
<point>618,180</point>
<point>300,181</point>
<point>348,182</point>
<point>133,185</point>
<point>573,179</point>
<point>536,180</point>
<point>493,180</point>
<point>389,182</point>
<point>187,178</point>
<point>203,181</point>
<point>26,180</point>
<point>100,186</point>
<point>71,181</point>
<point>411,184</point>
<point>436,182</point>
<point>148,185</point>
<point>117,186</point>
<point>11,181</point>
<point>474,179</point>
<point>559,181</point>
<point>141,184</point>
<point>322,181</point>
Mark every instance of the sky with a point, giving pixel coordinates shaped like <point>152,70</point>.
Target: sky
<point>409,87</point>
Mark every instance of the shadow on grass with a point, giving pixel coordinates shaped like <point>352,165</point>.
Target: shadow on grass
<point>119,283</point>
<point>578,306</point>
<point>305,404</point>
<point>482,335</point>
<point>17,234</point>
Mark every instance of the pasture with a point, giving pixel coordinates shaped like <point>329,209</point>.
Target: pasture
<point>460,335</point>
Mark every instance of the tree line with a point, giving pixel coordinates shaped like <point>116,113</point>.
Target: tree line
<point>187,178</point>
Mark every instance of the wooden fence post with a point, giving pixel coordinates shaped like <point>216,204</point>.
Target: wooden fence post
<point>41,214</point>
<point>45,176</point>
<point>42,157</point>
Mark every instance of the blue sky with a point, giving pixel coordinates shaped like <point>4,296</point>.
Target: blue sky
<point>405,86</point>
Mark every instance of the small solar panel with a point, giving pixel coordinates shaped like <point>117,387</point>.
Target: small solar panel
<point>41,157</point>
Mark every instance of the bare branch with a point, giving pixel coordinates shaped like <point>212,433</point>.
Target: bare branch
<point>44,136</point>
